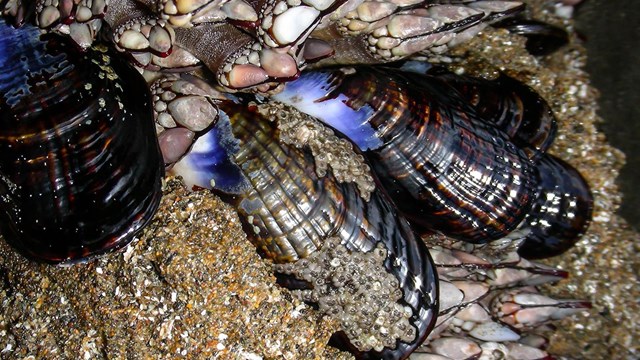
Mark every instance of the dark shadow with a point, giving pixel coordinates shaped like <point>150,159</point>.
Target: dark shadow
<point>613,44</point>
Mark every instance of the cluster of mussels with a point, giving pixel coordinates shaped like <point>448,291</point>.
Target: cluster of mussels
<point>402,201</point>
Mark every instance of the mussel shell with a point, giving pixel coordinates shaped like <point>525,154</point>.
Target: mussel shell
<point>445,168</point>
<point>511,105</point>
<point>561,213</point>
<point>542,38</point>
<point>80,168</point>
<point>288,212</point>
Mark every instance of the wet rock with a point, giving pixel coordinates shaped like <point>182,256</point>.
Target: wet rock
<point>191,287</point>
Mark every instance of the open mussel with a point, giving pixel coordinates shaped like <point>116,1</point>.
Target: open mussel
<point>80,170</point>
<point>338,249</point>
<point>459,156</point>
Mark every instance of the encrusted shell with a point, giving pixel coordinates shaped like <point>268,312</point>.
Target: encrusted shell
<point>446,168</point>
<point>293,215</point>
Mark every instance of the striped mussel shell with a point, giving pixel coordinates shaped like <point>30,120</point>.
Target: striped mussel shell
<point>563,207</point>
<point>339,250</point>
<point>80,170</point>
<point>447,169</point>
<point>458,155</point>
<point>510,105</point>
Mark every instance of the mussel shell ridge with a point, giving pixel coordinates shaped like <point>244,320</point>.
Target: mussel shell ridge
<point>319,225</point>
<point>512,106</point>
<point>447,169</point>
<point>80,170</point>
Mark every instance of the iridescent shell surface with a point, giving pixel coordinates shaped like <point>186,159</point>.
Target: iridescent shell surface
<point>460,156</point>
<point>482,181</point>
<point>290,212</point>
<point>79,163</point>
<point>445,168</point>
<point>512,106</point>
<point>561,213</point>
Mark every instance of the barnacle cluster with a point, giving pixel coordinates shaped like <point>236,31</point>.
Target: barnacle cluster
<point>329,151</point>
<point>356,290</point>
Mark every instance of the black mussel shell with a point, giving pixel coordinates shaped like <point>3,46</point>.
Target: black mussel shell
<point>512,106</point>
<point>458,155</point>
<point>542,38</point>
<point>447,169</point>
<point>290,212</point>
<point>326,208</point>
<point>80,170</point>
<point>561,213</point>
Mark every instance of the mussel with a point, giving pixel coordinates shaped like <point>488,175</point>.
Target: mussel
<point>460,156</point>
<point>511,106</point>
<point>542,38</point>
<point>444,167</point>
<point>80,170</point>
<point>561,213</point>
<point>563,206</point>
<point>325,231</point>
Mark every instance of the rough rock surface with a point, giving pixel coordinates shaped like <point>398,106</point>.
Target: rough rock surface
<point>191,287</point>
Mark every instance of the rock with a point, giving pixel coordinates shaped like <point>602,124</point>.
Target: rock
<point>191,287</point>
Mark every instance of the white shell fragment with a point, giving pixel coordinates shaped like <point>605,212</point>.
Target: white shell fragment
<point>492,331</point>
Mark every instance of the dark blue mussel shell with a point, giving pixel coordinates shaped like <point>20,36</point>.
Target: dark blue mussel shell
<point>80,171</point>
<point>561,213</point>
<point>289,212</point>
<point>458,155</point>
<point>447,169</point>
